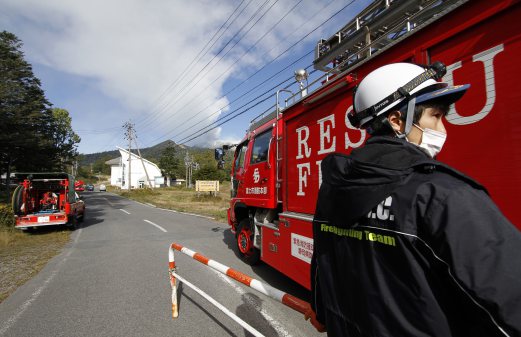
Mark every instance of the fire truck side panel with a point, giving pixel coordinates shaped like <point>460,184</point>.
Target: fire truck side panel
<point>289,249</point>
<point>483,128</point>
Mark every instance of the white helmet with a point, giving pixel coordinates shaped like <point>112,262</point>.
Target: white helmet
<point>396,84</point>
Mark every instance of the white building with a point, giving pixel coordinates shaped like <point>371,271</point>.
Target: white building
<point>139,169</point>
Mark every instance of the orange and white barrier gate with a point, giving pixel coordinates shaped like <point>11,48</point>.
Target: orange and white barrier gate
<point>282,297</point>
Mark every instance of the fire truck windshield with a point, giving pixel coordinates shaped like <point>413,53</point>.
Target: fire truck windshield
<point>260,147</point>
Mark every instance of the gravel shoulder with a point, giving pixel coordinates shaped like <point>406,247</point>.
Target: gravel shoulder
<point>23,255</point>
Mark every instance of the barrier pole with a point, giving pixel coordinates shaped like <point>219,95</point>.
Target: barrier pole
<point>173,282</point>
<point>220,307</point>
<point>291,301</point>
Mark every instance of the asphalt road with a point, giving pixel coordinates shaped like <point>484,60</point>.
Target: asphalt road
<point>112,280</point>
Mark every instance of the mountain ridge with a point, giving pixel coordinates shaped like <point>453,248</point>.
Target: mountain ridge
<point>152,153</point>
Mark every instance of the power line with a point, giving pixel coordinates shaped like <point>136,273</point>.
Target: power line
<point>229,68</point>
<point>245,54</point>
<point>199,55</point>
<point>221,50</point>
<point>262,68</point>
<point>230,118</point>
<point>332,16</point>
<point>195,135</point>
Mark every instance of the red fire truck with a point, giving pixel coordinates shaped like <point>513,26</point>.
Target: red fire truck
<point>43,199</point>
<point>276,170</point>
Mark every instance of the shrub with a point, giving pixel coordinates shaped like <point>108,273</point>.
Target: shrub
<point>6,216</point>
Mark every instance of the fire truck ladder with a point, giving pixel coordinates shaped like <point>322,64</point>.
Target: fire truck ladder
<point>378,27</point>
<point>279,138</point>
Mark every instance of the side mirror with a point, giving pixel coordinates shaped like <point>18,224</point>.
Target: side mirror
<point>220,165</point>
<point>219,154</point>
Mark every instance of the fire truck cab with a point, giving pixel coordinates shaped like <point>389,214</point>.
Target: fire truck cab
<point>276,167</point>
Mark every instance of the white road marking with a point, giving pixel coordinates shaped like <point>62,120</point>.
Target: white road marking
<point>153,224</point>
<point>124,211</point>
<point>192,214</point>
<point>145,204</point>
<point>254,303</point>
<point>13,319</point>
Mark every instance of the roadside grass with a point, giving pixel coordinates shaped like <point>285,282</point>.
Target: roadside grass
<point>182,199</point>
<point>23,255</point>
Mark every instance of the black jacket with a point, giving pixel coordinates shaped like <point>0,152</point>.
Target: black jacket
<point>407,246</point>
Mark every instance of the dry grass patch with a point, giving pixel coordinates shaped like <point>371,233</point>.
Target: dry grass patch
<point>23,255</point>
<point>185,200</point>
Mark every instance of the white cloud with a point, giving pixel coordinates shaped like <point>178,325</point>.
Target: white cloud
<point>132,50</point>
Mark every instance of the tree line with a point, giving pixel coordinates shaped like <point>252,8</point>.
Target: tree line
<point>34,135</point>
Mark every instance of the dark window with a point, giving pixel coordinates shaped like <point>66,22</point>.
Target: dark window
<point>260,147</point>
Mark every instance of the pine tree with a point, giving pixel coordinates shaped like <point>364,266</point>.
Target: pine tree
<point>32,136</point>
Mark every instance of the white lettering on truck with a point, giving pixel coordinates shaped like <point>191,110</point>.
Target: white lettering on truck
<point>303,142</point>
<point>348,142</point>
<point>487,57</point>
<point>303,172</point>
<point>325,134</point>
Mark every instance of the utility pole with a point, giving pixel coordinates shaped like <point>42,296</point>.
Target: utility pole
<point>129,134</point>
<point>188,166</point>
<point>143,163</point>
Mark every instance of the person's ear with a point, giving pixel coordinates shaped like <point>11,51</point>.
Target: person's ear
<point>395,121</point>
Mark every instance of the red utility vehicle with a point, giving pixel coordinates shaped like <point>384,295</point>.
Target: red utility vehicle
<point>276,170</point>
<point>79,186</point>
<point>44,199</point>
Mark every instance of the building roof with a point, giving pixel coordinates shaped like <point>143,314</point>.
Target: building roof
<point>115,161</point>
<point>135,155</point>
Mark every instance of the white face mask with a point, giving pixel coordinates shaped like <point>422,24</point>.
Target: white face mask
<point>432,141</point>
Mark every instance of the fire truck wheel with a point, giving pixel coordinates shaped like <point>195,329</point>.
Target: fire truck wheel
<point>247,251</point>
<point>18,200</point>
<point>73,222</point>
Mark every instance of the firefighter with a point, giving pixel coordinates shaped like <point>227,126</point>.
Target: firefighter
<point>405,245</point>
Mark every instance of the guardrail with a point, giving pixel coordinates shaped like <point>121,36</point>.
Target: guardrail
<point>278,295</point>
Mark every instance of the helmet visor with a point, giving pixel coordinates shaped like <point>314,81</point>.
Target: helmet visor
<point>446,95</point>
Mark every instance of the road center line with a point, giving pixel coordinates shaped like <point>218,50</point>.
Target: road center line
<point>124,211</point>
<point>153,224</point>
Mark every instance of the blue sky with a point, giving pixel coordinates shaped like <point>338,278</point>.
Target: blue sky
<point>108,62</point>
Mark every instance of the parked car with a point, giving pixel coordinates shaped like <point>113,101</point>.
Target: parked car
<point>89,187</point>
<point>102,188</point>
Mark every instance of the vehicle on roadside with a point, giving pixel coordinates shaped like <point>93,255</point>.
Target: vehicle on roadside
<point>44,199</point>
<point>79,186</point>
<point>276,172</point>
<point>102,188</point>
<point>89,187</point>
